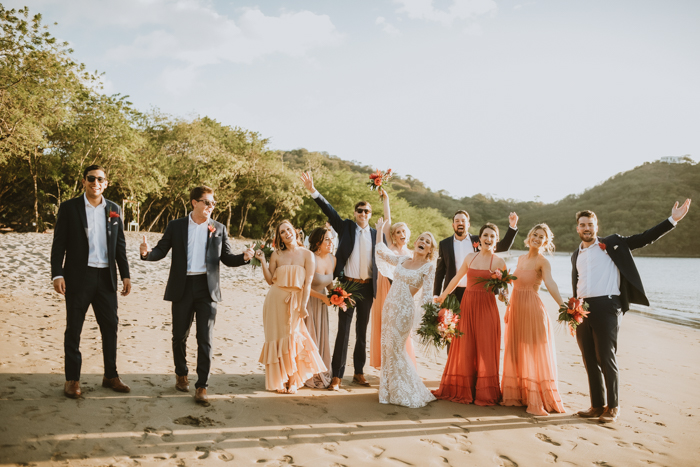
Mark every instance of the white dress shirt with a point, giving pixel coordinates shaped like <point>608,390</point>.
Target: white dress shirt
<point>196,247</point>
<point>462,249</point>
<point>597,274</point>
<point>97,233</point>
<point>352,267</point>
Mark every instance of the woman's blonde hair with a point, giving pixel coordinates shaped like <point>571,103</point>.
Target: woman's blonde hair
<point>432,256</point>
<point>395,227</point>
<point>548,246</point>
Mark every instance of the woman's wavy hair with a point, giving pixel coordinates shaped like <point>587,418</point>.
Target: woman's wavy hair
<point>395,227</point>
<point>548,246</point>
<point>316,237</point>
<point>491,226</point>
<point>278,243</point>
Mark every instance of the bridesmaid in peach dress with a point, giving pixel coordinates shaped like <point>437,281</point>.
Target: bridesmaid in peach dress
<point>471,370</point>
<point>396,238</point>
<point>289,354</point>
<point>529,361</point>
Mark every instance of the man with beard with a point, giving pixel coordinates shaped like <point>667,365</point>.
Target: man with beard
<point>454,249</point>
<point>604,276</point>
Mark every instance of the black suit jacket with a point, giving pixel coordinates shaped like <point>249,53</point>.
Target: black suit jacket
<point>446,268</point>
<point>619,249</point>
<point>218,249</point>
<point>346,239</point>
<point>70,242</point>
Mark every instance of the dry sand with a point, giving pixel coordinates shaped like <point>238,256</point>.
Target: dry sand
<point>246,425</point>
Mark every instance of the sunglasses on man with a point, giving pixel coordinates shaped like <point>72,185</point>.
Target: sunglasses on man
<point>92,178</point>
<point>208,203</point>
<point>363,211</point>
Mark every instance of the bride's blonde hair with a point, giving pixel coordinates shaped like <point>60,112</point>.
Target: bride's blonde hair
<point>432,256</point>
<point>548,246</point>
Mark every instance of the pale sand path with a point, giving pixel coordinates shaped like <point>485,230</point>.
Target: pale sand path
<point>246,425</point>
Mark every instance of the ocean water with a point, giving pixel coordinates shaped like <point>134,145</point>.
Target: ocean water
<point>672,285</point>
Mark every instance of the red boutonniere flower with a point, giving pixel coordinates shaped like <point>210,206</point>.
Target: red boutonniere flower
<point>475,245</point>
<point>602,246</point>
<point>211,228</point>
<point>113,214</point>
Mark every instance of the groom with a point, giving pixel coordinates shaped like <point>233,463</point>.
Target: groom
<point>605,276</point>
<point>199,243</point>
<point>354,259</point>
<point>89,235</point>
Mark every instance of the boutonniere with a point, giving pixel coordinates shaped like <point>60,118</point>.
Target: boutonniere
<point>602,246</point>
<point>113,214</point>
<point>475,245</point>
<point>211,230</point>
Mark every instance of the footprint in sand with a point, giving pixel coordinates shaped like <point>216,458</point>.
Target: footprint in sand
<point>504,461</point>
<point>546,439</point>
<point>552,458</point>
<point>435,444</point>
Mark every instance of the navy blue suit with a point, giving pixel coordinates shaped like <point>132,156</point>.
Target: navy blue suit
<point>346,230</point>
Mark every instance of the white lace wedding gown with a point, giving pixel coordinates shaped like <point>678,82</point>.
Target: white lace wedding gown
<point>399,383</point>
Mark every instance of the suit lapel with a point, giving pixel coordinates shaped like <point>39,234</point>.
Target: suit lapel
<point>209,235</point>
<point>81,213</point>
<point>185,230</point>
<point>108,220</point>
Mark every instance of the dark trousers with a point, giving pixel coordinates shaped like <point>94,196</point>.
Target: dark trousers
<point>597,339</point>
<point>459,293</point>
<point>96,290</point>
<point>340,351</point>
<point>196,301</point>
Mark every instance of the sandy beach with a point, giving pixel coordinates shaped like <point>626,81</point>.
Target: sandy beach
<point>246,425</point>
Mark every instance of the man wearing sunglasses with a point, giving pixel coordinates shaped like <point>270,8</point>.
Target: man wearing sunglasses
<point>88,245</point>
<point>355,261</point>
<point>199,244</point>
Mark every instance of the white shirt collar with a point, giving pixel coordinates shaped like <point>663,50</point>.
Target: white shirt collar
<point>360,229</point>
<point>191,221</point>
<point>101,205</point>
<point>454,238</point>
<point>581,248</point>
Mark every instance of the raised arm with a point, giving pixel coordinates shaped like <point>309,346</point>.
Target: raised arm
<point>386,230</point>
<point>382,252</point>
<point>333,218</point>
<point>507,241</point>
<point>650,236</point>
<point>229,258</point>
<point>455,280</point>
<point>162,248</point>
<point>546,271</point>
<point>267,274</point>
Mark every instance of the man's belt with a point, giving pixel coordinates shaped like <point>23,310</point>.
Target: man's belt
<point>359,281</point>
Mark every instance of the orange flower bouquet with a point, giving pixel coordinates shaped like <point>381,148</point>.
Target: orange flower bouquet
<point>342,294</point>
<point>498,283</point>
<point>572,314</point>
<point>379,178</point>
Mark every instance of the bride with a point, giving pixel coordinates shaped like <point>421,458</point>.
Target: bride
<point>399,383</point>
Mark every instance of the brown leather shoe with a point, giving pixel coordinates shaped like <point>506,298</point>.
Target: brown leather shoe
<point>610,415</point>
<point>115,384</point>
<point>335,384</point>
<point>72,389</point>
<point>593,412</point>
<point>181,383</point>
<point>360,379</point>
<point>200,396</point>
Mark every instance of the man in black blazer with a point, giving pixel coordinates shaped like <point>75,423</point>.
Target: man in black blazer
<point>604,276</point>
<point>450,260</point>
<point>199,243</point>
<point>355,263</point>
<point>89,236</point>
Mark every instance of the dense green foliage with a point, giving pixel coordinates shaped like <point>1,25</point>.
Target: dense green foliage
<point>54,122</point>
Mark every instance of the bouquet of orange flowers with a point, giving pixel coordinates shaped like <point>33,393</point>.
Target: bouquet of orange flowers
<point>265,247</point>
<point>439,322</point>
<point>378,178</point>
<point>341,294</point>
<point>572,314</point>
<point>498,284</point>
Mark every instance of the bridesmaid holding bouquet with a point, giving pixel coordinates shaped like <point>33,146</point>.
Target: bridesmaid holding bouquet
<point>529,361</point>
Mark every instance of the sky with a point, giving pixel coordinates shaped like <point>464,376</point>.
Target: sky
<point>529,100</point>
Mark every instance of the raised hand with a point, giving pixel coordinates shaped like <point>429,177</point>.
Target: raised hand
<point>380,225</point>
<point>248,254</point>
<point>308,180</point>
<point>260,255</point>
<point>383,193</point>
<point>513,220</point>
<point>143,248</point>
<point>679,213</point>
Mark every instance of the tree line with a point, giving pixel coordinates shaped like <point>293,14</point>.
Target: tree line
<point>54,121</point>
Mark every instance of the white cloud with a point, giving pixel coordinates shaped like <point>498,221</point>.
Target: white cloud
<point>386,27</point>
<point>458,10</point>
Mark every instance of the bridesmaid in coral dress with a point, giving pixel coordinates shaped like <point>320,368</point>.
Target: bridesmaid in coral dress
<point>397,237</point>
<point>471,371</point>
<point>529,361</point>
<point>289,354</point>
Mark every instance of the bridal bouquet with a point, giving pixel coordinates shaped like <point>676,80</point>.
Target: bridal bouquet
<point>378,178</point>
<point>266,249</point>
<point>572,314</point>
<point>498,284</point>
<point>341,294</point>
<point>439,323</point>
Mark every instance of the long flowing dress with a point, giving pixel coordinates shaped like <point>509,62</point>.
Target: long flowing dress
<point>399,382</point>
<point>289,353</point>
<point>471,370</point>
<point>317,325</point>
<point>529,361</point>
<point>375,340</point>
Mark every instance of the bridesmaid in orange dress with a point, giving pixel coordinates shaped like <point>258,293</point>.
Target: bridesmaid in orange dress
<point>529,361</point>
<point>289,354</point>
<point>396,238</point>
<point>471,371</point>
